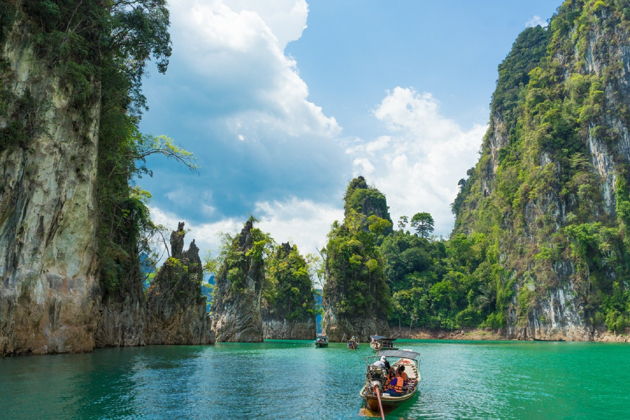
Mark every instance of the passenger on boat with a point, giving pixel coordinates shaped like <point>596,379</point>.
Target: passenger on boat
<point>390,373</point>
<point>382,363</point>
<point>401,372</point>
<point>395,386</point>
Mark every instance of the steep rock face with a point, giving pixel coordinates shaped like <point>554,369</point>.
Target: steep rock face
<point>356,296</point>
<point>48,284</point>
<point>236,310</point>
<point>288,307</point>
<point>122,322</point>
<point>282,329</point>
<point>176,311</point>
<point>343,328</point>
<point>550,189</point>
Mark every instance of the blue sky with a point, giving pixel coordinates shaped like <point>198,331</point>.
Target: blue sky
<point>283,101</point>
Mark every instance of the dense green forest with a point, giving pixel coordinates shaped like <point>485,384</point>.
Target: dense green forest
<point>288,291</point>
<point>405,275</point>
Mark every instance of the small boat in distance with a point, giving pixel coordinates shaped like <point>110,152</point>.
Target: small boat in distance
<point>379,342</point>
<point>377,392</point>
<point>353,343</point>
<point>321,341</point>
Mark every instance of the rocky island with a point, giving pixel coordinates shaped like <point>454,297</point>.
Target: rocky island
<point>236,307</point>
<point>356,294</point>
<point>288,308</point>
<point>176,313</point>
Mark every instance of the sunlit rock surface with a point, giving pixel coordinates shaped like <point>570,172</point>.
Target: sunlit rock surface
<point>176,311</point>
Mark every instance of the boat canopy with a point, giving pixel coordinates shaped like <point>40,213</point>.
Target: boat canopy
<point>381,338</point>
<point>403,354</point>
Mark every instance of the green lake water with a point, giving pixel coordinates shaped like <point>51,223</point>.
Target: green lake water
<point>293,379</point>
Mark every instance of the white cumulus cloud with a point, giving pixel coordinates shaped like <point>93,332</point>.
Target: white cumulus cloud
<point>418,164</point>
<point>233,51</point>
<point>301,222</point>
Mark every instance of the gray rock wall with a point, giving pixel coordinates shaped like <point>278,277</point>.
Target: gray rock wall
<point>48,285</point>
<point>176,311</point>
<point>341,329</point>
<point>281,329</point>
<point>236,310</point>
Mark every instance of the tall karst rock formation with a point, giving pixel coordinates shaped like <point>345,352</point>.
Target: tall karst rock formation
<point>356,296</point>
<point>550,191</point>
<point>236,307</point>
<point>288,304</point>
<point>176,311</point>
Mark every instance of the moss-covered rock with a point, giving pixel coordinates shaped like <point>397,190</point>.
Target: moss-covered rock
<point>356,295</point>
<point>288,306</point>
<point>547,189</point>
<point>176,310</point>
<point>236,308</point>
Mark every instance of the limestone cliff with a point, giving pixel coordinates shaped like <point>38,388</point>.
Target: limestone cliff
<point>236,310</point>
<point>356,295</point>
<point>341,329</point>
<point>550,191</point>
<point>48,149</point>
<point>176,311</point>
<point>288,306</point>
<point>70,226</point>
<point>283,329</point>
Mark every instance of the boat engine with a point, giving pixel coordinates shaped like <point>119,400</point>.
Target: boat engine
<point>376,376</point>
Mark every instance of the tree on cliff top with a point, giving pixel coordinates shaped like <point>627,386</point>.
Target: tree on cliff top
<point>365,200</point>
<point>240,263</point>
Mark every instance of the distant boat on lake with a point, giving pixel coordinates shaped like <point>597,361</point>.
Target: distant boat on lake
<point>379,342</point>
<point>353,343</point>
<point>321,341</point>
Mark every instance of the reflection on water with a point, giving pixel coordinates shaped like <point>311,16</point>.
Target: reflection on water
<point>293,379</point>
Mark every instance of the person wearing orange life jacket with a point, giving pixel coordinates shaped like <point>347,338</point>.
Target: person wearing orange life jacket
<point>395,386</point>
<point>401,372</point>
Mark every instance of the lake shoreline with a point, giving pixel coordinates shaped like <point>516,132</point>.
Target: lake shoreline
<point>491,335</point>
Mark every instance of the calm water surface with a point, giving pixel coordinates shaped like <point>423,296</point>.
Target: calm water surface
<point>292,379</point>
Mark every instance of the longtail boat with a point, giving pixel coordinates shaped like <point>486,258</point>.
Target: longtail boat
<point>321,341</point>
<point>376,391</point>
<point>379,342</point>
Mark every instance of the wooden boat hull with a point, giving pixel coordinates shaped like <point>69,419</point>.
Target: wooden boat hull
<point>387,400</point>
<point>321,344</point>
<point>390,401</point>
